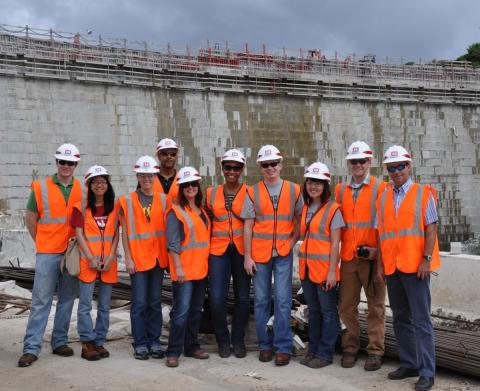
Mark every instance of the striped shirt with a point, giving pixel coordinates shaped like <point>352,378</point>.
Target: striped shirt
<point>357,187</point>
<point>399,194</point>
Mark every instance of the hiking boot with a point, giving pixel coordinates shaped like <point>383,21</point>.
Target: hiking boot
<point>64,351</point>
<point>141,354</point>
<point>265,355</point>
<point>26,360</point>
<point>172,362</point>
<point>240,350</point>
<point>373,362</point>
<point>348,360</point>
<point>104,353</point>
<point>306,359</point>
<point>198,354</point>
<point>224,351</point>
<point>318,362</point>
<point>89,352</point>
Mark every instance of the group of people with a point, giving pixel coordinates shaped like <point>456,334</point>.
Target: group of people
<point>368,233</point>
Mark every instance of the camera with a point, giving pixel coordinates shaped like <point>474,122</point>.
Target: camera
<point>363,252</point>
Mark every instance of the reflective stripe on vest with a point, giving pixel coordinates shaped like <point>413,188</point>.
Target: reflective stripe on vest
<point>133,235</point>
<point>223,234</point>
<point>221,218</point>
<point>271,217</point>
<point>47,219</point>
<point>363,224</point>
<point>193,243</point>
<point>319,236</point>
<point>314,257</point>
<point>417,216</point>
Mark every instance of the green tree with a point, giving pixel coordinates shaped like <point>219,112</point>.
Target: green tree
<point>472,55</point>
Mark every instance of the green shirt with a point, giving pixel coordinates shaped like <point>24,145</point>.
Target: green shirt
<point>66,190</point>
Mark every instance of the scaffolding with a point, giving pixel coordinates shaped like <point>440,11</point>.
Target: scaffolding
<point>50,54</point>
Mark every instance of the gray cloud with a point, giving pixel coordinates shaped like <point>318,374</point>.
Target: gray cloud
<point>409,28</point>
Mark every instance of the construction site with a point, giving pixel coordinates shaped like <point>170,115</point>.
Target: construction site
<point>115,99</point>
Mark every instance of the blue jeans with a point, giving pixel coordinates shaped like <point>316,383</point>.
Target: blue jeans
<point>186,316</point>
<point>410,303</point>
<point>146,309</point>
<point>47,278</point>
<point>281,338</point>
<point>220,268</point>
<point>84,320</point>
<point>323,321</point>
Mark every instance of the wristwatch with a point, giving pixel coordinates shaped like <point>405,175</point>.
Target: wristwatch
<point>428,258</point>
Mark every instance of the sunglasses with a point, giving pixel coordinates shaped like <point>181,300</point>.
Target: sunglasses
<point>358,161</point>
<point>227,167</point>
<point>399,167</point>
<point>171,154</point>
<point>271,164</point>
<point>190,184</point>
<point>145,176</point>
<point>66,163</point>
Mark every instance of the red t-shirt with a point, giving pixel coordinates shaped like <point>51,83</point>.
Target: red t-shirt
<point>77,220</point>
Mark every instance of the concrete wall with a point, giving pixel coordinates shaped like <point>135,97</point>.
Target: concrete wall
<point>114,125</point>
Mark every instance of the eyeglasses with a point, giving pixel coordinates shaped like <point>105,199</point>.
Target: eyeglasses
<point>271,164</point>
<point>227,167</point>
<point>358,161</point>
<point>171,154</point>
<point>66,163</point>
<point>99,183</point>
<point>145,176</point>
<point>399,167</point>
<point>190,184</point>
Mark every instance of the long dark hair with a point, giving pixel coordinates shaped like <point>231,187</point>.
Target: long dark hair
<point>326,193</point>
<point>182,200</point>
<point>108,197</point>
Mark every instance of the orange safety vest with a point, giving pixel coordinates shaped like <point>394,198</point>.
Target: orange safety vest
<point>273,228</point>
<point>172,193</point>
<point>99,243</point>
<point>359,216</point>
<point>227,226</point>
<point>314,251</point>
<point>194,249</point>
<point>147,239</point>
<point>53,225</point>
<point>402,237</point>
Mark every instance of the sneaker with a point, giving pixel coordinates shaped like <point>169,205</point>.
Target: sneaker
<point>104,353</point>
<point>26,360</point>
<point>348,360</point>
<point>240,350</point>
<point>157,353</point>
<point>373,362</point>
<point>141,354</point>
<point>64,351</point>
<point>89,352</point>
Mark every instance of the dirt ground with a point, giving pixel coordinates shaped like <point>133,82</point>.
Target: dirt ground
<point>122,372</point>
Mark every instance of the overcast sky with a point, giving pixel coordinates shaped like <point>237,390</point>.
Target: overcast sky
<point>427,29</point>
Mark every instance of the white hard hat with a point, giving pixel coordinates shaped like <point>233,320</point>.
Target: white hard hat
<point>359,150</point>
<point>396,153</point>
<point>94,171</point>
<point>188,174</point>
<point>267,153</point>
<point>234,155</point>
<point>166,143</point>
<point>317,170</point>
<point>67,152</point>
<point>146,165</point>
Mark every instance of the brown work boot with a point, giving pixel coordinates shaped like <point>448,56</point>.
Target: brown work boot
<point>282,359</point>
<point>88,351</point>
<point>199,354</point>
<point>26,360</point>
<point>348,360</point>
<point>265,355</point>
<point>172,361</point>
<point>104,353</point>
<point>373,362</point>
<point>64,351</point>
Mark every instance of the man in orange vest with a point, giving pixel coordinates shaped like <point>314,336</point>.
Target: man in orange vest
<point>49,209</point>
<point>165,181</point>
<point>407,230</point>
<point>272,212</point>
<point>358,253</point>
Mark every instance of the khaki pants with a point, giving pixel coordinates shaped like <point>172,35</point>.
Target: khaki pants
<point>354,276</point>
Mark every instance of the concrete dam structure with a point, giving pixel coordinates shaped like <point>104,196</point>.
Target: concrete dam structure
<point>116,103</point>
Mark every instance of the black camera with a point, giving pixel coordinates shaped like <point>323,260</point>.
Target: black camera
<point>363,252</point>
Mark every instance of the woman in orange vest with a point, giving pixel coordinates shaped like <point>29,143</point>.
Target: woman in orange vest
<point>318,264</point>
<point>96,229</point>
<point>188,234</point>
<point>224,203</point>
<point>142,215</point>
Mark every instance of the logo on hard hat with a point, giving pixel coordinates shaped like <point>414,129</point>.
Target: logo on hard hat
<point>355,150</point>
<point>98,169</point>
<point>234,154</point>
<point>146,164</point>
<point>187,173</point>
<point>167,142</point>
<point>316,170</point>
<point>67,152</point>
<point>268,152</point>
<point>394,154</point>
